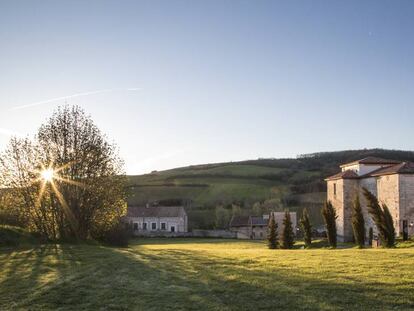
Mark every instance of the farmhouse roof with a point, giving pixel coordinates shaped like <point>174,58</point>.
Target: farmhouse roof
<point>348,174</point>
<point>239,221</point>
<point>258,221</point>
<point>244,221</point>
<point>401,168</point>
<point>156,211</point>
<point>371,160</point>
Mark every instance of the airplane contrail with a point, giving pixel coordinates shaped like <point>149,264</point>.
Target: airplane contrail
<point>72,96</point>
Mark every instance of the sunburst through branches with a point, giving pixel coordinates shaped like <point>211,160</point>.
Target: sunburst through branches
<point>50,175</point>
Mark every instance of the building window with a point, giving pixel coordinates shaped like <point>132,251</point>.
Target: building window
<point>163,226</point>
<point>144,226</point>
<point>154,226</point>
<point>334,188</point>
<point>135,226</point>
<point>172,228</point>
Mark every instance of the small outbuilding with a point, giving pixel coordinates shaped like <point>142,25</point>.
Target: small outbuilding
<point>249,227</point>
<point>255,227</point>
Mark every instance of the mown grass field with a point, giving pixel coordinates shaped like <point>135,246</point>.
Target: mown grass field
<point>195,274</point>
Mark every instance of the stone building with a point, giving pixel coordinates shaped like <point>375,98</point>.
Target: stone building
<point>157,219</point>
<point>391,181</point>
<point>255,227</point>
<point>249,227</point>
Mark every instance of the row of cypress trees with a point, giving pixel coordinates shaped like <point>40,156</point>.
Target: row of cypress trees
<point>380,214</point>
<point>287,238</point>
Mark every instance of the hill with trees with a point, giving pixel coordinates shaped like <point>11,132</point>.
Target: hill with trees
<point>212,193</point>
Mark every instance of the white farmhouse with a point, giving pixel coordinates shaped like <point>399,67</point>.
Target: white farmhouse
<point>157,219</point>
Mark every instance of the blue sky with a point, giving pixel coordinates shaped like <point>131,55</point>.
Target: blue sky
<point>175,83</point>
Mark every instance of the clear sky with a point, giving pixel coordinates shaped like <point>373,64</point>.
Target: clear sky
<point>175,83</point>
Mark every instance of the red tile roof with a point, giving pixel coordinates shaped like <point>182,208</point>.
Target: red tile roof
<point>372,160</point>
<point>401,168</point>
<point>348,174</point>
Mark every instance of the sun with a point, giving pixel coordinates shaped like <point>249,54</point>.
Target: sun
<point>47,174</point>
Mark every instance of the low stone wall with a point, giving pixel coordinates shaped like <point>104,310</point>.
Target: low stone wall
<point>162,234</point>
<point>242,236</point>
<point>224,234</point>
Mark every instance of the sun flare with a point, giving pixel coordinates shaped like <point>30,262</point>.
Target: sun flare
<point>47,174</point>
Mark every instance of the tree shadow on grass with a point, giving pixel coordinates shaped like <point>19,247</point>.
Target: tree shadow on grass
<point>85,277</point>
<point>239,286</point>
<point>155,241</point>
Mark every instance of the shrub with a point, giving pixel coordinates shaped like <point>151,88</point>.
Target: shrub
<point>118,235</point>
<point>14,236</point>
<point>329,216</point>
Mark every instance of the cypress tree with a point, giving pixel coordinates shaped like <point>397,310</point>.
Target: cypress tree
<point>389,224</point>
<point>329,216</point>
<point>306,228</point>
<point>382,219</point>
<point>272,241</point>
<point>358,223</point>
<point>370,235</point>
<point>288,236</point>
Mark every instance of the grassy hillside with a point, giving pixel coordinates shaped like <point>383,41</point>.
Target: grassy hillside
<point>205,275</point>
<point>275,183</point>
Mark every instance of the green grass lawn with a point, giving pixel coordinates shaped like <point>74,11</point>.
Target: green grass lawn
<point>196,274</point>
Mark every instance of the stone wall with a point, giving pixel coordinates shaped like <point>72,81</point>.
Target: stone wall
<point>342,200</point>
<point>388,190</point>
<point>336,198</point>
<point>371,185</point>
<point>224,234</point>
<point>280,216</point>
<point>396,191</point>
<point>406,212</point>
<point>162,234</point>
<point>349,195</point>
